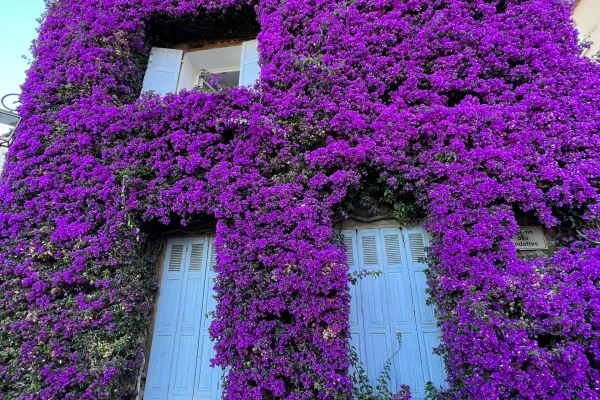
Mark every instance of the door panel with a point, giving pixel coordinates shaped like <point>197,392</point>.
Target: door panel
<point>377,331</point>
<point>426,311</point>
<point>356,333</point>
<point>407,367</point>
<point>391,305</point>
<point>435,363</point>
<point>378,350</point>
<point>429,332</point>
<point>181,335</point>
<point>165,326</point>
<point>208,379</point>
<point>183,370</point>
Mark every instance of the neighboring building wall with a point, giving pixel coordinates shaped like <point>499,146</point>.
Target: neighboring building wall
<point>587,21</point>
<point>3,151</point>
<point>3,129</point>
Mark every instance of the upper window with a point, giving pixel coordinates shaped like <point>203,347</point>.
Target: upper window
<point>171,70</point>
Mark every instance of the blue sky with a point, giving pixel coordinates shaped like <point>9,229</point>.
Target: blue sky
<point>17,29</point>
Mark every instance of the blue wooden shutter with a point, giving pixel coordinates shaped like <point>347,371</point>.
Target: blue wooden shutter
<point>356,330</point>
<point>407,365</point>
<point>183,370</point>
<point>416,242</point>
<point>249,68</point>
<point>393,304</point>
<point>165,326</point>
<point>162,73</point>
<point>377,334</point>
<point>179,366</point>
<point>208,379</point>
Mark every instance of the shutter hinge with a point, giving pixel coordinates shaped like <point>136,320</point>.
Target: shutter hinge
<point>413,307</point>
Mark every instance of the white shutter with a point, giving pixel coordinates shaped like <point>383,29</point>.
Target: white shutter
<point>165,326</point>
<point>188,75</point>
<point>249,69</point>
<point>163,71</point>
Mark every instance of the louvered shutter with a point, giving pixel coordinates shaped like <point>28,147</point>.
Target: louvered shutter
<point>179,365</point>
<point>249,68</point>
<point>373,299</point>
<point>407,366</point>
<point>357,340</point>
<point>183,370</point>
<point>349,243</point>
<point>165,326</point>
<point>208,379</point>
<point>392,304</point>
<point>162,73</point>
<point>416,243</point>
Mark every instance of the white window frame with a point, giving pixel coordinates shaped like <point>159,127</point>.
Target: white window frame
<point>171,70</point>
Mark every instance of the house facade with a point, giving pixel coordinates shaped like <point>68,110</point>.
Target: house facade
<point>389,317</point>
<point>303,200</point>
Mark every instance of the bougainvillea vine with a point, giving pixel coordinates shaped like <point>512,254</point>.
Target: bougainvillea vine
<point>475,111</point>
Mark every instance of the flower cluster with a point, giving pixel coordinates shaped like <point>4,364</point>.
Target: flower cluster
<point>480,110</point>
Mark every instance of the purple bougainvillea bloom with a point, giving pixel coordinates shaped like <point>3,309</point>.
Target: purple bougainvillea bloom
<point>481,110</point>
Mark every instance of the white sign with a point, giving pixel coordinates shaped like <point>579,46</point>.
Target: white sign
<point>530,238</point>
